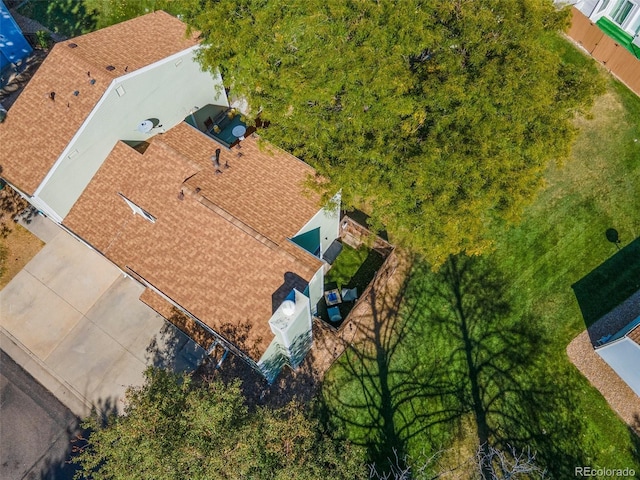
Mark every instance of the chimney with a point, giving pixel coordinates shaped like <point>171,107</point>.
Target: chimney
<point>216,161</point>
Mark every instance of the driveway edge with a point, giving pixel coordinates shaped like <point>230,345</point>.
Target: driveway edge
<point>59,387</point>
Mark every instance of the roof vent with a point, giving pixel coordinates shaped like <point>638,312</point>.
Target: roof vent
<point>111,68</point>
<point>72,45</point>
<point>76,93</point>
<point>52,96</point>
<point>216,161</point>
<point>288,308</point>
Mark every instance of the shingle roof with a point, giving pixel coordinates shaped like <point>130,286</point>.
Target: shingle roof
<point>209,257</point>
<point>260,179</point>
<point>37,129</point>
<point>635,334</point>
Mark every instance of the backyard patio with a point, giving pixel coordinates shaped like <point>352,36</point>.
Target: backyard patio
<point>361,256</point>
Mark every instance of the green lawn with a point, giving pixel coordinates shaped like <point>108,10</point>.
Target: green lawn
<point>65,17</point>
<point>478,351</point>
<point>354,268</point>
<point>76,17</point>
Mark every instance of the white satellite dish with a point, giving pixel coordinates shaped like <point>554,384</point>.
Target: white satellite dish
<point>288,308</point>
<point>145,127</point>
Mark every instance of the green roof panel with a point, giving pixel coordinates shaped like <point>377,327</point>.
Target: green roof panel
<point>310,241</point>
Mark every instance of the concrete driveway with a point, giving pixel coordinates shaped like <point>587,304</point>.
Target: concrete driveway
<point>74,322</point>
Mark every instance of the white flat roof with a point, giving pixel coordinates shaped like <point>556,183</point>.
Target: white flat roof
<point>624,357</point>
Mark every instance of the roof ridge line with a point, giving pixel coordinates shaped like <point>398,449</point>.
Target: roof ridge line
<point>236,222</point>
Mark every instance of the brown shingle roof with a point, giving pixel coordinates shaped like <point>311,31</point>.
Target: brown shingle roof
<point>260,180</point>
<point>135,43</point>
<point>635,334</point>
<point>37,129</point>
<point>207,262</point>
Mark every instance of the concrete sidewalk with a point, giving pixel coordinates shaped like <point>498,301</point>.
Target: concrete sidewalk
<point>74,322</point>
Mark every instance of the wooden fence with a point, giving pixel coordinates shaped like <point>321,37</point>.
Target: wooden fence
<point>617,59</point>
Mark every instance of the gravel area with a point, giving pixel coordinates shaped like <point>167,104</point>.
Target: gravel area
<point>617,393</point>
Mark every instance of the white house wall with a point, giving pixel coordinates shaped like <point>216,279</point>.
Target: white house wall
<point>328,219</point>
<point>316,289</point>
<point>168,91</point>
<point>587,7</point>
<point>292,340</point>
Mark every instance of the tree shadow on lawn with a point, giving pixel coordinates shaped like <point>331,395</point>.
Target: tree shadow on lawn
<point>450,345</point>
<point>376,384</point>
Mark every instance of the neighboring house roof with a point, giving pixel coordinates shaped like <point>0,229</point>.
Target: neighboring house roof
<point>13,46</point>
<point>37,129</point>
<point>222,253</point>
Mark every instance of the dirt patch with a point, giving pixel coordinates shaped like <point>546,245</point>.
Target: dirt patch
<point>19,246</point>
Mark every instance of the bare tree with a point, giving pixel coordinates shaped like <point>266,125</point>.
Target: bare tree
<point>488,463</point>
<point>509,465</point>
<point>12,208</point>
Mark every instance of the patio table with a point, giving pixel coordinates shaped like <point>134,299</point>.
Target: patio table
<point>332,297</point>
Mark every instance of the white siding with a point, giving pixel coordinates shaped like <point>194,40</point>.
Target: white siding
<point>328,219</point>
<point>167,90</point>
<point>316,288</point>
<point>293,338</point>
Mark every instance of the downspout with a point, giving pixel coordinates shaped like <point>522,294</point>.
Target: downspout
<point>595,7</point>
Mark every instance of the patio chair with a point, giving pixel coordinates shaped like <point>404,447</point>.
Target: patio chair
<point>349,294</point>
<point>208,124</point>
<point>334,314</point>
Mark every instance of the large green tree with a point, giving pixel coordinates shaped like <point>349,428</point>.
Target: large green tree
<point>436,117</point>
<point>175,429</point>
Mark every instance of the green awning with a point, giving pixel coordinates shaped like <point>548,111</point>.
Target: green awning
<point>611,29</point>
<point>310,241</point>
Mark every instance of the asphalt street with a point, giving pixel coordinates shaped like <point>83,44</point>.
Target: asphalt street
<point>35,428</point>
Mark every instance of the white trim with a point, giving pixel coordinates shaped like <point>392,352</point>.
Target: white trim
<point>112,86</point>
<point>44,208</point>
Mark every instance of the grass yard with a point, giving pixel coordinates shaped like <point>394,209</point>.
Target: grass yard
<point>478,351</point>
<point>64,17</point>
<point>354,268</point>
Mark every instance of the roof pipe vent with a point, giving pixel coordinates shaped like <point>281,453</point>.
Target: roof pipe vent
<point>216,161</point>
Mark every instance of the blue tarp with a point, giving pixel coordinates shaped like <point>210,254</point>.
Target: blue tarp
<point>13,46</point>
